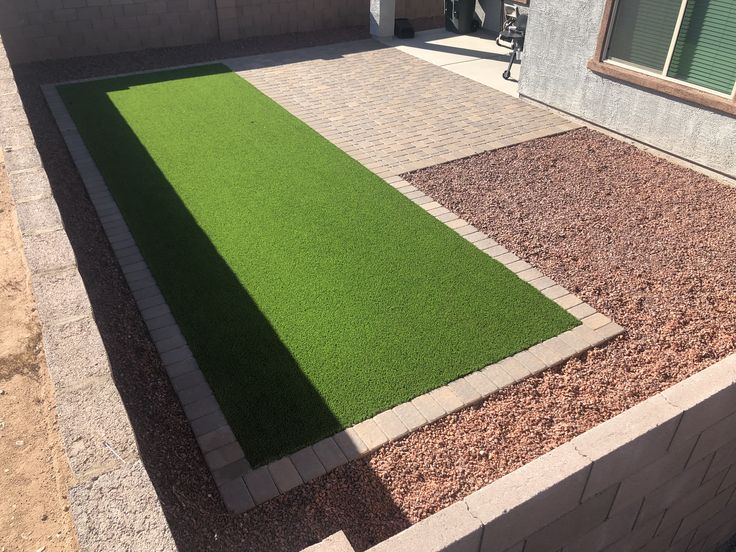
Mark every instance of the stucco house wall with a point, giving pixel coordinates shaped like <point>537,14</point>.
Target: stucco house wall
<point>561,39</point>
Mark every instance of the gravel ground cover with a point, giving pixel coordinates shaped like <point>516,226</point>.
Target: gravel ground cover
<point>619,205</point>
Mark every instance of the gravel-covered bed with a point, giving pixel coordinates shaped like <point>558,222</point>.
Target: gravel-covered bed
<point>644,241</point>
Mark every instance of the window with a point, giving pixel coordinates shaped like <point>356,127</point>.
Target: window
<point>689,42</point>
<point>642,31</point>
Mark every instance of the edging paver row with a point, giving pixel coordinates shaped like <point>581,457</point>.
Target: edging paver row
<point>241,487</point>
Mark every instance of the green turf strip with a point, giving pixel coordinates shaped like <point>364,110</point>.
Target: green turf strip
<point>312,294</point>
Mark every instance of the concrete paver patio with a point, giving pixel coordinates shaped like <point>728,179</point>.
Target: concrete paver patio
<point>392,111</point>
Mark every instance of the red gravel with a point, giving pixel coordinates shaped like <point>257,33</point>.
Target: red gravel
<point>648,243</point>
<point>639,238</point>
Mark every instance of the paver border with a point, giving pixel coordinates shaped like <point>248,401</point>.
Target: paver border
<point>243,488</point>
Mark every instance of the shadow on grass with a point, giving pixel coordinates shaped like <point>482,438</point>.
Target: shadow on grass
<point>237,348</point>
<point>352,499</point>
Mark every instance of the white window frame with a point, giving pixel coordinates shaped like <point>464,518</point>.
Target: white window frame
<point>663,74</point>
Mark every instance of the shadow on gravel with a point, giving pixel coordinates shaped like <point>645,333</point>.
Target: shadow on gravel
<point>351,498</point>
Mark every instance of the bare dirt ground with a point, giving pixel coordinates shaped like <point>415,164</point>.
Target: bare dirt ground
<point>34,474</point>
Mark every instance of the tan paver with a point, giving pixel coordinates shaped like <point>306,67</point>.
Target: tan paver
<point>596,320</point>
<point>499,376</point>
<point>261,485</point>
<point>447,399</point>
<point>391,425</point>
<point>410,416</point>
<point>307,464</point>
<point>371,434</point>
<point>481,384</point>
<point>351,445</point>
<point>428,407</point>
<point>329,453</point>
<point>582,310</point>
<point>515,368</point>
<point>466,392</point>
<point>568,301</point>
<point>284,474</point>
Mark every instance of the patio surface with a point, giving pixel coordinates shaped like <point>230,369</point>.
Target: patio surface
<point>475,56</point>
<point>392,111</point>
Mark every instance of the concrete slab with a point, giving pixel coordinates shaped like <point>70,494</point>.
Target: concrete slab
<point>475,56</point>
<point>488,72</point>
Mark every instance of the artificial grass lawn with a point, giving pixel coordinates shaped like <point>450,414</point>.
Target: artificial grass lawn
<point>312,294</point>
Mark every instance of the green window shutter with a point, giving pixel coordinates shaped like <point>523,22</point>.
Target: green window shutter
<point>642,32</point>
<point>705,51</point>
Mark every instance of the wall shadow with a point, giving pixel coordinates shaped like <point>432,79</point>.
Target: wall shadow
<point>444,48</point>
<point>260,387</point>
<point>352,498</point>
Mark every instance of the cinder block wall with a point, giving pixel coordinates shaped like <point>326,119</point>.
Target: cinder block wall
<point>267,17</point>
<point>35,30</point>
<point>42,29</point>
<point>112,499</point>
<point>659,477</point>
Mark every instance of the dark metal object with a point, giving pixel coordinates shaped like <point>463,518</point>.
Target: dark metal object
<point>513,31</point>
<point>403,28</point>
<point>460,16</point>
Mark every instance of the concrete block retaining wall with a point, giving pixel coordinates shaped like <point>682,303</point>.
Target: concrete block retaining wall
<point>35,30</point>
<point>659,477</point>
<point>112,498</point>
<point>44,29</point>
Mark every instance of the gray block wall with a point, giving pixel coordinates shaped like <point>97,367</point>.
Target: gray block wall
<point>43,29</point>
<point>36,30</point>
<point>561,38</point>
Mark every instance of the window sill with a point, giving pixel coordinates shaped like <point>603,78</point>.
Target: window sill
<point>682,92</point>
